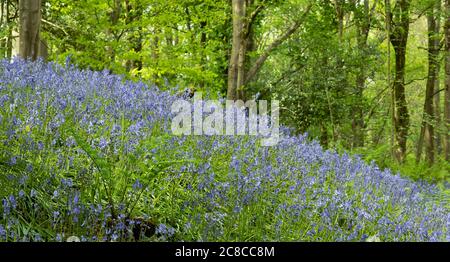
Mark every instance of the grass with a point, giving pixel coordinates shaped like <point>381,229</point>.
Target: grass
<point>91,155</point>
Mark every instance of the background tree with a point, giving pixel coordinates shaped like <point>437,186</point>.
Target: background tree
<point>447,81</point>
<point>243,22</point>
<point>30,23</point>
<point>400,19</point>
<point>427,130</point>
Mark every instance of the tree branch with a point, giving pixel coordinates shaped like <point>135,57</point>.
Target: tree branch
<point>252,18</point>
<point>437,92</point>
<point>414,80</point>
<point>260,61</point>
<point>54,25</point>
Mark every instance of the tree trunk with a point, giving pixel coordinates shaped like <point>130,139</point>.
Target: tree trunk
<point>43,46</point>
<point>134,13</point>
<point>43,49</point>
<point>447,82</point>
<point>427,132</point>
<point>437,84</point>
<point>9,45</point>
<point>399,39</point>
<point>30,21</point>
<point>233,69</point>
<point>241,65</point>
<point>203,58</point>
<point>437,112</point>
<point>155,55</point>
<point>3,21</point>
<point>114,19</point>
<point>363,28</point>
<point>339,8</point>
<point>391,112</point>
<point>428,114</point>
<point>238,76</point>
<point>323,135</point>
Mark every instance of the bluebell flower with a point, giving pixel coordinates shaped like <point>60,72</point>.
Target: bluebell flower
<point>40,145</point>
<point>12,201</point>
<point>33,193</point>
<point>103,143</point>
<point>114,236</point>
<point>76,210</point>
<point>59,237</point>
<point>2,233</point>
<point>13,161</point>
<point>164,230</point>
<point>137,185</point>
<point>70,142</point>
<point>67,182</point>
<point>76,198</point>
<point>37,238</point>
<point>29,168</point>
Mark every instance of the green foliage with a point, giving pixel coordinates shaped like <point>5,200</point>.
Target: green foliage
<point>326,79</point>
<point>438,173</point>
<point>184,42</point>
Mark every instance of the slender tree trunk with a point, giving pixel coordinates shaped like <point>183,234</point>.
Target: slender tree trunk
<point>323,135</point>
<point>401,123</point>
<point>233,69</point>
<point>339,8</point>
<point>358,113</point>
<point>437,112</point>
<point>114,19</point>
<point>241,63</point>
<point>363,27</point>
<point>427,129</point>
<point>137,39</point>
<point>203,59</point>
<point>421,138</point>
<point>9,46</point>
<point>134,13</point>
<point>30,21</point>
<point>3,21</point>
<point>342,81</point>
<point>2,11</point>
<point>43,46</point>
<point>399,39</point>
<point>155,54</point>
<point>447,82</point>
<point>437,84</point>
<point>43,49</point>
<point>391,112</point>
<point>432,76</point>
